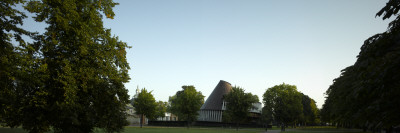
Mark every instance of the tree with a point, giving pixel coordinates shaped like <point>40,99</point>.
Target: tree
<point>310,110</point>
<point>364,94</point>
<point>161,108</point>
<point>186,104</point>
<point>14,59</point>
<point>72,77</point>
<point>145,105</point>
<point>238,105</point>
<point>284,103</point>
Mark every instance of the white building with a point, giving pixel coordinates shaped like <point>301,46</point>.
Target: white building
<point>168,117</point>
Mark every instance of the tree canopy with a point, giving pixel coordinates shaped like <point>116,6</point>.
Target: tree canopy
<point>186,103</point>
<point>161,109</point>
<point>71,78</point>
<point>366,93</point>
<point>145,105</point>
<point>310,111</point>
<point>282,104</point>
<point>238,105</point>
<point>14,58</point>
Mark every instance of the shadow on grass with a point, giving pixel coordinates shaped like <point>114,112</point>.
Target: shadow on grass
<point>159,130</point>
<point>323,130</point>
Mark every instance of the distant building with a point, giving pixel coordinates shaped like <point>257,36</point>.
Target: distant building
<point>214,106</point>
<point>130,110</point>
<point>132,117</point>
<point>168,117</point>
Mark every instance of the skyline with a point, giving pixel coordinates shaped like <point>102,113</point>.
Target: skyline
<point>254,45</point>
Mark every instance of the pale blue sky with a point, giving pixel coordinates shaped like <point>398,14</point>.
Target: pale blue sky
<point>255,44</point>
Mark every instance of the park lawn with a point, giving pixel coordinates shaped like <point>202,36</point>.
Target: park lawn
<point>323,130</point>
<point>159,130</point>
<point>185,130</point>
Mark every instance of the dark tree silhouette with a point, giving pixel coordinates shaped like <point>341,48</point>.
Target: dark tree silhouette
<point>366,93</point>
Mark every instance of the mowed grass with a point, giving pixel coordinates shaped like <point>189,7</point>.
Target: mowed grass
<point>185,130</point>
<point>323,130</point>
<point>159,130</point>
<point>210,130</point>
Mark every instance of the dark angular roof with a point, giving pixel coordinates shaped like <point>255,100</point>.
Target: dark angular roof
<point>214,101</point>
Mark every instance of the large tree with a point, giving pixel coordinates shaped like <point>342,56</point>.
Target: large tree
<point>186,104</point>
<point>145,105</point>
<point>74,75</point>
<point>310,110</point>
<point>284,103</point>
<point>238,105</point>
<point>15,58</point>
<point>366,93</point>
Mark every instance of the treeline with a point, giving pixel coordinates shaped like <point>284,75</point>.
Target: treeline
<point>366,94</point>
<point>185,104</point>
<point>283,106</point>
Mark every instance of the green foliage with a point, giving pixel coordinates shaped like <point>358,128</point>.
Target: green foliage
<point>19,66</point>
<point>238,104</point>
<point>161,109</point>
<point>282,103</point>
<point>310,111</point>
<point>71,79</point>
<point>9,20</point>
<point>366,93</point>
<point>186,103</point>
<point>145,105</point>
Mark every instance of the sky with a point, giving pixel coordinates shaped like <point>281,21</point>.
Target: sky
<point>254,44</point>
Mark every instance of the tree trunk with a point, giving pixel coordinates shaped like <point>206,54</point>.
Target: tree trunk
<point>237,126</point>
<point>141,120</point>
<point>188,121</point>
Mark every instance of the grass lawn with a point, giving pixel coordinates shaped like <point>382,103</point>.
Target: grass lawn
<point>160,130</point>
<point>323,130</point>
<point>211,130</point>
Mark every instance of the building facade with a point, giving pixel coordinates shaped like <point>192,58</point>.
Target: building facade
<point>168,117</point>
<point>214,106</point>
